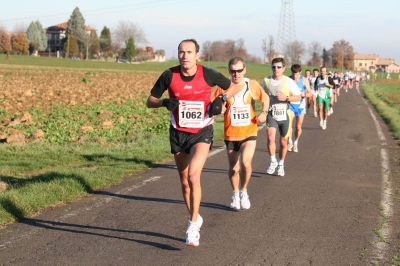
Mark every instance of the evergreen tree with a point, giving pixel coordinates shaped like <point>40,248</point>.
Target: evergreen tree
<point>95,47</point>
<point>71,47</point>
<point>76,24</point>
<point>36,35</point>
<point>105,40</point>
<point>130,49</point>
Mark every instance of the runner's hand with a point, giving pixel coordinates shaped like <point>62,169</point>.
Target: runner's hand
<point>216,106</point>
<point>170,104</point>
<point>261,118</point>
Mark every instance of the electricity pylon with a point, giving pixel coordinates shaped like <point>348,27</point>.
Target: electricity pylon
<point>286,30</point>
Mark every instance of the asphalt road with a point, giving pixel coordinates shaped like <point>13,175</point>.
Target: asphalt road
<point>324,211</point>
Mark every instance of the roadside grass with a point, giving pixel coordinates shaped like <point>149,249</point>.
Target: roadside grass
<point>386,99</point>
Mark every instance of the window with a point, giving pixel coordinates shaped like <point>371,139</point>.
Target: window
<point>365,64</point>
<point>360,64</point>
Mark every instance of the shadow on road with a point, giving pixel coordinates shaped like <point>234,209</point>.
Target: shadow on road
<point>91,230</point>
<point>131,197</point>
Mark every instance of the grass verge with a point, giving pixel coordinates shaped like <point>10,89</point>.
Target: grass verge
<point>386,100</point>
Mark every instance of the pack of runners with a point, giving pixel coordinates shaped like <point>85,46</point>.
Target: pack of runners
<point>193,103</point>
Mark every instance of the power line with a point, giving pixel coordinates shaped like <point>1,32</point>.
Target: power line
<point>100,11</point>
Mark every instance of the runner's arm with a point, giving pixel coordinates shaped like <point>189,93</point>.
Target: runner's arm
<point>161,85</point>
<point>307,85</point>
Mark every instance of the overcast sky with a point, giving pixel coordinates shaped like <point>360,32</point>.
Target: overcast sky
<point>372,27</point>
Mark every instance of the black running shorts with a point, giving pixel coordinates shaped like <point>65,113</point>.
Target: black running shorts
<point>184,141</point>
<point>235,145</point>
<point>282,126</point>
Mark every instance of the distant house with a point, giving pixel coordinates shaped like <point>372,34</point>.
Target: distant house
<point>55,35</point>
<point>393,68</point>
<point>366,62</point>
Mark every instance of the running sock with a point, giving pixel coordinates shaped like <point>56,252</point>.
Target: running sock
<point>280,162</point>
<point>290,140</point>
<point>295,142</point>
<point>273,158</point>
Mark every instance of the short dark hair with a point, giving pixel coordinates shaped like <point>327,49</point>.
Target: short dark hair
<point>296,68</point>
<point>235,60</point>
<point>190,40</point>
<point>315,70</point>
<point>307,70</point>
<point>323,67</point>
<point>278,60</point>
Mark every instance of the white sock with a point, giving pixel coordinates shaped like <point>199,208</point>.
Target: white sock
<point>295,142</point>
<point>273,158</point>
<point>324,121</point>
<point>280,162</point>
<point>290,140</point>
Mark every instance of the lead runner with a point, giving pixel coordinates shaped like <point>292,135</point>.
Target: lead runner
<point>189,87</point>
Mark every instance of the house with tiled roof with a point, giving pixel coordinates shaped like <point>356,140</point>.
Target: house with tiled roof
<point>55,35</point>
<point>367,62</point>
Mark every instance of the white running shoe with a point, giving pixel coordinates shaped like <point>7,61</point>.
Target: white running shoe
<point>244,200</point>
<point>321,123</point>
<point>324,126</point>
<point>346,90</point>
<point>295,149</point>
<point>290,146</point>
<point>199,221</point>
<point>335,100</point>
<point>281,171</point>
<point>315,114</point>
<point>235,201</point>
<point>272,166</point>
<point>331,110</point>
<point>192,235</point>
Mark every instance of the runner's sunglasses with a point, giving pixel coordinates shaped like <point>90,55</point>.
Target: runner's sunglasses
<point>236,71</point>
<point>276,67</point>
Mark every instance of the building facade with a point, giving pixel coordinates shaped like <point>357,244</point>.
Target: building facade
<point>372,62</point>
<point>56,34</point>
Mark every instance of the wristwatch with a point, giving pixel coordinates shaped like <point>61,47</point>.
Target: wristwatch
<point>224,97</point>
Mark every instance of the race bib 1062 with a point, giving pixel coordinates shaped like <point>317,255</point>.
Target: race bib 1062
<point>191,114</point>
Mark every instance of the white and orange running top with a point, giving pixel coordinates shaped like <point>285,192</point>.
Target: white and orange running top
<point>240,118</point>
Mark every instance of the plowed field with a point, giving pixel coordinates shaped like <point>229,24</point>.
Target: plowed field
<point>21,90</point>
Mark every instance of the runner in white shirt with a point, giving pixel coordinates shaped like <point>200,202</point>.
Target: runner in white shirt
<point>282,90</point>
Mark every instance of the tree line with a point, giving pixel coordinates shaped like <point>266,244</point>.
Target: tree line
<point>80,40</point>
<point>340,55</point>
<point>124,40</point>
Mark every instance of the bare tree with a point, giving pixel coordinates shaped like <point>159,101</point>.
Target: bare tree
<point>3,29</point>
<point>271,48</point>
<point>342,54</point>
<point>241,49</point>
<point>224,50</point>
<point>5,42</point>
<point>86,38</point>
<point>230,47</point>
<point>206,51</point>
<point>268,48</point>
<point>294,51</point>
<point>20,27</point>
<point>315,51</point>
<point>126,29</point>
<point>264,49</point>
